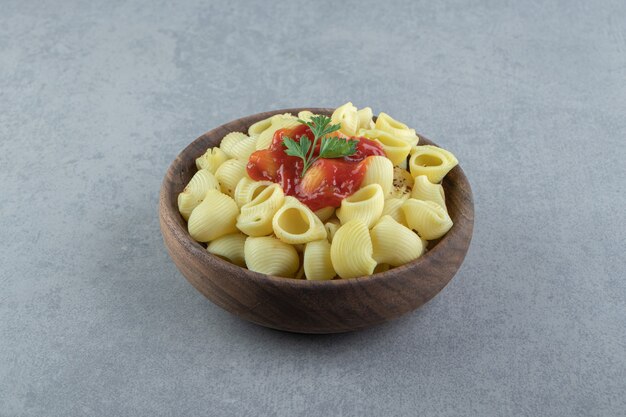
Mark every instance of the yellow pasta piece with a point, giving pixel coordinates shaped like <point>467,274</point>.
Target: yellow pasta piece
<point>431,161</point>
<point>256,216</point>
<point>247,189</point>
<point>366,205</point>
<point>425,190</point>
<point>331,228</point>
<point>393,208</point>
<point>194,192</point>
<point>270,256</point>
<point>428,219</point>
<point>238,145</point>
<point>305,115</point>
<point>317,263</point>
<point>211,159</point>
<point>214,217</point>
<point>386,123</point>
<point>379,171</point>
<point>351,250</point>
<point>347,116</point>
<point>393,243</point>
<point>229,174</point>
<point>325,213</point>
<point>279,121</point>
<point>257,128</point>
<point>395,148</point>
<point>295,223</point>
<point>229,247</point>
<point>364,117</point>
<point>402,183</point>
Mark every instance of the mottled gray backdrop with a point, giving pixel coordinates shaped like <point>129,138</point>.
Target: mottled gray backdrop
<point>96,99</point>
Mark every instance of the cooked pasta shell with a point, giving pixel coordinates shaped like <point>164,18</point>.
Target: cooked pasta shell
<point>259,127</point>
<point>305,115</point>
<point>428,219</point>
<point>229,247</point>
<point>295,223</point>
<point>386,123</point>
<point>211,159</point>
<point>194,192</point>
<point>325,213</point>
<point>393,243</point>
<point>366,205</point>
<point>425,190</point>
<point>256,216</point>
<point>331,227</point>
<point>270,256</point>
<point>347,116</point>
<point>279,121</point>
<point>214,217</point>
<point>364,117</point>
<point>317,263</point>
<point>395,148</point>
<point>247,189</point>
<point>402,183</point>
<point>379,171</point>
<point>238,145</point>
<point>229,174</point>
<point>393,208</point>
<point>351,250</point>
<point>431,161</point>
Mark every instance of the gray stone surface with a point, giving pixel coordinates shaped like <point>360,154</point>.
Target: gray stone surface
<point>96,99</point>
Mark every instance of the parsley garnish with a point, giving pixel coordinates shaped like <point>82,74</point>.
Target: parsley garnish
<point>330,147</point>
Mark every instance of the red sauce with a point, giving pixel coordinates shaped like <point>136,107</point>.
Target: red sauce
<point>326,182</point>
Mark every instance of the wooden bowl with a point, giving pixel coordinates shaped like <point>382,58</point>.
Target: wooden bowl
<point>311,306</point>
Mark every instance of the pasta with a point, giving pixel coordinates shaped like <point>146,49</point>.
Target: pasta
<point>237,145</point>
<point>366,205</point>
<point>402,183</point>
<point>257,128</point>
<point>428,219</point>
<point>211,159</point>
<point>248,189</point>
<point>331,227</point>
<point>229,247</point>
<point>386,123</point>
<point>295,223</point>
<point>280,121</point>
<point>385,236</point>
<point>229,174</point>
<point>395,149</point>
<point>364,117</point>
<point>379,171</point>
<point>305,115</point>
<point>325,213</point>
<point>351,250</point>
<point>214,217</point>
<point>270,256</point>
<point>194,192</point>
<point>393,208</point>
<point>427,191</point>
<point>431,161</point>
<point>347,116</point>
<point>256,216</point>
<point>317,263</point>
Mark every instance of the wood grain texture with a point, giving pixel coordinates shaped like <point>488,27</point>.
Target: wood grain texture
<point>311,306</point>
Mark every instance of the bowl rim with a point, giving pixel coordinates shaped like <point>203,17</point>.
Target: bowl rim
<point>198,251</point>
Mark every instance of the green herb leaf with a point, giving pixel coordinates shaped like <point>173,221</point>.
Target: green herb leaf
<point>293,147</point>
<point>337,147</point>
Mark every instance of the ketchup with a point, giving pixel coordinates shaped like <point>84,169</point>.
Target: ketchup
<point>326,182</point>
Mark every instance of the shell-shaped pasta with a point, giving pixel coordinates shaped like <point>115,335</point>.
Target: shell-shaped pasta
<point>295,223</point>
<point>431,161</point>
<point>257,128</point>
<point>395,148</point>
<point>428,219</point>
<point>347,116</point>
<point>425,190</point>
<point>379,171</point>
<point>213,218</point>
<point>364,117</point>
<point>386,123</point>
<point>325,213</point>
<point>211,159</point>
<point>351,250</point>
<point>270,256</point>
<point>256,216</point>
<point>194,192</point>
<point>279,121</point>
<point>366,205</point>
<point>393,208</point>
<point>305,115</point>
<point>229,247</point>
<point>402,183</point>
<point>247,189</point>
<point>393,243</point>
<point>317,263</point>
<point>238,145</point>
<point>331,228</point>
<point>229,174</point>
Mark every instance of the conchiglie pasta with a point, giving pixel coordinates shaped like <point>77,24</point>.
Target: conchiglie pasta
<point>379,171</point>
<point>269,255</point>
<point>402,183</point>
<point>393,208</point>
<point>347,116</point>
<point>229,174</point>
<point>366,205</point>
<point>194,192</point>
<point>351,250</point>
<point>213,218</point>
<point>325,213</point>
<point>305,115</point>
<point>259,127</point>
<point>431,161</point>
<point>331,228</point>
<point>428,219</point>
<point>256,216</point>
<point>395,148</point>
<point>386,123</point>
<point>211,159</point>
<point>238,145</point>
<point>248,189</point>
<point>229,247</point>
<point>364,117</point>
<point>317,263</point>
<point>279,121</point>
<point>425,190</point>
<point>393,243</point>
<point>295,223</point>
